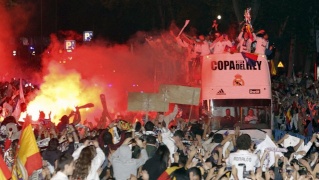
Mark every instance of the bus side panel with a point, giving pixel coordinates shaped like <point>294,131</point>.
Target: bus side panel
<point>228,76</point>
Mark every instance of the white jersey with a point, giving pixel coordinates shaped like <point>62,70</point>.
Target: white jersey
<point>261,45</point>
<point>219,46</point>
<point>244,45</point>
<point>250,160</point>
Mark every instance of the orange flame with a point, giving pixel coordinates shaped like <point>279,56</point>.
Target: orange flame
<point>61,91</point>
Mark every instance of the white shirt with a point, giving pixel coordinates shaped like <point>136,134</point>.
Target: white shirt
<point>60,176</point>
<point>170,143</point>
<point>219,46</point>
<point>96,163</point>
<point>261,45</point>
<point>204,48</point>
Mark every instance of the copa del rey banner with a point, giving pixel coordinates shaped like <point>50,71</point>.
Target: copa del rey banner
<point>235,76</point>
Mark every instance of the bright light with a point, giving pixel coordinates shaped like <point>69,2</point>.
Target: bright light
<point>219,17</point>
<point>14,52</point>
<point>66,85</point>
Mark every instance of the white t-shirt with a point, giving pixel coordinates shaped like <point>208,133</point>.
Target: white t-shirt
<point>250,160</point>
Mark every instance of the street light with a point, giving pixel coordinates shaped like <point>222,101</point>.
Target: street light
<point>219,17</point>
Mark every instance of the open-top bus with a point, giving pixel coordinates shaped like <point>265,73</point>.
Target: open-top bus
<point>236,90</point>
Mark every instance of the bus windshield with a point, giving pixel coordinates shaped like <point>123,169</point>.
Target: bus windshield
<point>246,113</point>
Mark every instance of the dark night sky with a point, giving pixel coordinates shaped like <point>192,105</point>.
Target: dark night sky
<point>118,20</point>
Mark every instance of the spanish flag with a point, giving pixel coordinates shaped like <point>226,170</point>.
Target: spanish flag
<point>28,152</point>
<point>166,174</point>
<point>4,170</point>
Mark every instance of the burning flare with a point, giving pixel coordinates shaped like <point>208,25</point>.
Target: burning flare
<point>63,90</point>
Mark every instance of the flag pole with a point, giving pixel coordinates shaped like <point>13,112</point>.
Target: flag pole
<point>191,109</point>
<point>186,23</point>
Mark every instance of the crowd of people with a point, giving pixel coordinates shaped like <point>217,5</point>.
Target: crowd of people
<point>170,146</point>
<point>296,103</point>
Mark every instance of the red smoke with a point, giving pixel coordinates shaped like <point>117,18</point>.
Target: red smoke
<point>92,68</point>
<point>14,20</point>
<point>113,70</point>
<point>6,44</point>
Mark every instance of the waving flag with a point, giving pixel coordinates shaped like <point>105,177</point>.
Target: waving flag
<point>251,59</point>
<point>28,152</point>
<point>4,170</point>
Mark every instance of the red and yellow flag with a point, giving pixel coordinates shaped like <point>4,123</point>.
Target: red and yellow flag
<point>28,152</point>
<point>4,170</point>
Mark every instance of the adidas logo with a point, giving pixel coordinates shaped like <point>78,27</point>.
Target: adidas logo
<point>221,92</point>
